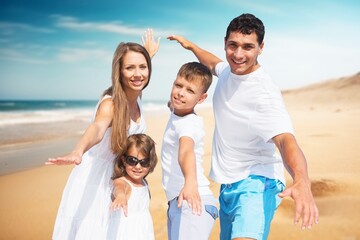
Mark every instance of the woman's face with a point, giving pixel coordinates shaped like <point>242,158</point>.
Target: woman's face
<point>134,71</point>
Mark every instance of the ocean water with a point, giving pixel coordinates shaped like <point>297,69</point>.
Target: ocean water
<point>13,112</point>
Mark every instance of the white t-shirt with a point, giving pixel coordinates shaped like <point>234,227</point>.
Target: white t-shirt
<point>172,177</point>
<point>249,111</point>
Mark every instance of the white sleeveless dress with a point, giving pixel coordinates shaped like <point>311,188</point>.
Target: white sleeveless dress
<point>84,211</point>
<point>138,224</point>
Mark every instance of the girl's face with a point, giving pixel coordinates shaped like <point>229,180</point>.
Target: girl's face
<point>134,71</point>
<point>137,166</point>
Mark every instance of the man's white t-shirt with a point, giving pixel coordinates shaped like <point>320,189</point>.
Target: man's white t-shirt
<point>172,177</point>
<point>249,111</point>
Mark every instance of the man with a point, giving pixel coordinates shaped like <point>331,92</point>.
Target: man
<point>250,122</point>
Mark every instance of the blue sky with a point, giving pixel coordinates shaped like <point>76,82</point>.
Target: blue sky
<point>63,49</point>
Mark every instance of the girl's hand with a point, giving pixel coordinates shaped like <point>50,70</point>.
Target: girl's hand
<point>149,42</point>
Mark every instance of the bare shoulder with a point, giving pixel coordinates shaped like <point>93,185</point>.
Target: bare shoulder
<point>106,108</point>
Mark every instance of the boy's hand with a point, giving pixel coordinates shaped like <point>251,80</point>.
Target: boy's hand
<point>149,42</point>
<point>192,196</point>
<point>120,200</point>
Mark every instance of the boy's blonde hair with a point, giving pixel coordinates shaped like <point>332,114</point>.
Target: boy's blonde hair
<point>195,71</point>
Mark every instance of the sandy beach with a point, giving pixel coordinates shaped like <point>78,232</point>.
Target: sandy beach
<point>326,119</point>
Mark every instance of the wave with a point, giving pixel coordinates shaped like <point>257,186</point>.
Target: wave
<point>44,116</point>
<point>23,112</point>
<point>31,112</point>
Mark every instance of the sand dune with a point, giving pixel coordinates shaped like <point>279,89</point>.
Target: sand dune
<point>330,94</point>
<point>326,119</point>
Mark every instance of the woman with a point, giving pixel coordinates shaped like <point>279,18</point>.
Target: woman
<point>84,208</point>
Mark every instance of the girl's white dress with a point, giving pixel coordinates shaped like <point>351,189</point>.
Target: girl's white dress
<point>84,211</point>
<point>138,224</point>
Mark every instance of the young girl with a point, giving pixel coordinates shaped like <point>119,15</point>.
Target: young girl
<point>84,209</point>
<point>131,168</point>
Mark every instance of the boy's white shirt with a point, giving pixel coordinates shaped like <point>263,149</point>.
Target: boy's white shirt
<point>173,179</point>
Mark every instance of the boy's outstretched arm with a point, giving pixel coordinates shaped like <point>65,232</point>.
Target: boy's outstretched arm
<point>205,57</point>
<point>295,163</point>
<point>187,163</point>
<point>149,42</point>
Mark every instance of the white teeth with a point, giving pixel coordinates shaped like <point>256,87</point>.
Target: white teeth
<point>137,82</point>
<point>238,62</point>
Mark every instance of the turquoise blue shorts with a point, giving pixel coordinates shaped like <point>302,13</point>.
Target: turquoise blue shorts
<point>248,206</point>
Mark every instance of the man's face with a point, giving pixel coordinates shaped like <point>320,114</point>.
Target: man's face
<point>242,51</point>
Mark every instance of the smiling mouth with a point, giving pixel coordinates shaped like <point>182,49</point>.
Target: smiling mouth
<point>137,173</point>
<point>239,63</point>
<point>137,82</point>
<point>176,100</point>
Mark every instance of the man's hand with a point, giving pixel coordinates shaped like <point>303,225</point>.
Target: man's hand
<point>180,39</point>
<point>304,203</point>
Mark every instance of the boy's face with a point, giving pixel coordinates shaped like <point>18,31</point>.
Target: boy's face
<point>185,95</point>
<point>242,52</point>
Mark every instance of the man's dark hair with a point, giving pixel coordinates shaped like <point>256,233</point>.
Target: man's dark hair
<point>246,24</point>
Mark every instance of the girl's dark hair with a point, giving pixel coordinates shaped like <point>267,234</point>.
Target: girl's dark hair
<point>144,144</point>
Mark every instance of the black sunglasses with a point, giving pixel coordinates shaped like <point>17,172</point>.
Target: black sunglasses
<point>133,161</point>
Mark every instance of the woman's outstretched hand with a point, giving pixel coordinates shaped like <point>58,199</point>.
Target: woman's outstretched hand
<point>71,158</point>
<point>149,42</point>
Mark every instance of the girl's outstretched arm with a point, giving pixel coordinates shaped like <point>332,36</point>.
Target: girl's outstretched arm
<point>120,195</point>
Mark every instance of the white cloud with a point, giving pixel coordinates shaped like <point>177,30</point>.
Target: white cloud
<point>111,27</point>
<point>78,54</point>
<point>9,28</point>
<point>18,56</point>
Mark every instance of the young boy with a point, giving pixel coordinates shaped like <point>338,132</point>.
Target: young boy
<point>192,207</point>
<point>250,122</point>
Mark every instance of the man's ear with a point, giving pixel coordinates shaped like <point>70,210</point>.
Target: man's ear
<point>261,48</point>
<point>202,98</point>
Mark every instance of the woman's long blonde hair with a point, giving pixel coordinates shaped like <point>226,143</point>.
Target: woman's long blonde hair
<point>121,120</point>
